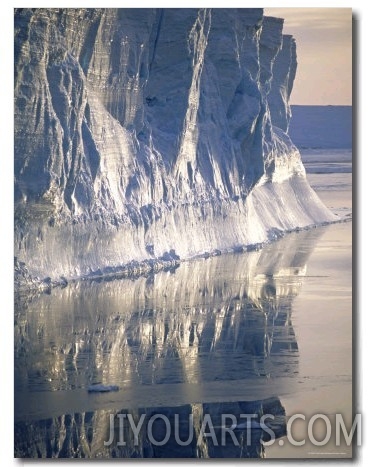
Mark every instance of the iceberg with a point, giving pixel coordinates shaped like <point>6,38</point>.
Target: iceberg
<point>148,136</point>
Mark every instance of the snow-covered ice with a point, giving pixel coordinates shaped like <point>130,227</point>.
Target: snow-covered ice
<point>142,134</point>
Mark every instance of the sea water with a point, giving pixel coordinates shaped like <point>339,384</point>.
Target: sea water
<point>266,332</point>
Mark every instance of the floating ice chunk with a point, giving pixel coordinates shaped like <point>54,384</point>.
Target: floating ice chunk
<point>102,388</point>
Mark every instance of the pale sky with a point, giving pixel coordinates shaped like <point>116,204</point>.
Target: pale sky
<point>324,51</point>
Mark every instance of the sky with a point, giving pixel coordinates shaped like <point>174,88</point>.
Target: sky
<point>324,53</point>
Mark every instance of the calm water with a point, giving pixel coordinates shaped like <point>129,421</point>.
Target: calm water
<point>265,332</point>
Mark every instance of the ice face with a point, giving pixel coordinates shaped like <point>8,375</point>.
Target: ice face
<point>144,131</point>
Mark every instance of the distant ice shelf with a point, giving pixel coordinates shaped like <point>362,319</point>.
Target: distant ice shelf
<point>321,126</point>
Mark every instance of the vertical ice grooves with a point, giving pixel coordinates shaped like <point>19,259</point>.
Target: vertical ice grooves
<point>186,159</point>
<point>159,21</point>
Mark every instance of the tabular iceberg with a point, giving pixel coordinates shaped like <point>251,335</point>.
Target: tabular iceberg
<point>145,135</point>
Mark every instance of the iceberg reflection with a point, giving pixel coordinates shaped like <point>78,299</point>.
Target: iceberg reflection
<point>220,321</point>
<point>201,430</point>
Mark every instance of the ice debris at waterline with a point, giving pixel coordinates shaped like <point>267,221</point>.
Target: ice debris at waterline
<point>146,135</point>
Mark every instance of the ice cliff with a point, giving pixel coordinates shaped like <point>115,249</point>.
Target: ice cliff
<point>149,134</point>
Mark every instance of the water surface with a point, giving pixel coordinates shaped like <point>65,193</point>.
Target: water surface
<point>264,332</point>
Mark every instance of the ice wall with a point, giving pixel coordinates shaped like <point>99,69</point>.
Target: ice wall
<point>147,134</point>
